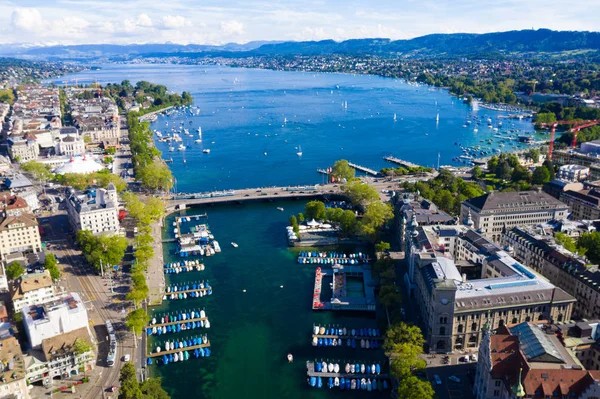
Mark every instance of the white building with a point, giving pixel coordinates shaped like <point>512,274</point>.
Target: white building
<point>30,289</point>
<point>19,234</point>
<point>493,212</point>
<point>591,147</point>
<point>3,279</point>
<point>70,146</point>
<point>95,210</point>
<point>59,316</point>
<point>573,172</point>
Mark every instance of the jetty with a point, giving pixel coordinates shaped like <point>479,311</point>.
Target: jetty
<point>311,372</point>
<point>344,337</point>
<point>171,323</point>
<point>363,169</point>
<point>172,351</point>
<point>401,162</point>
<point>188,291</point>
<point>341,298</point>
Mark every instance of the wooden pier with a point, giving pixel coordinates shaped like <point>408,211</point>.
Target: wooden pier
<point>345,337</point>
<point>189,348</point>
<point>188,291</point>
<point>311,372</point>
<point>401,162</point>
<point>177,322</point>
<point>363,169</point>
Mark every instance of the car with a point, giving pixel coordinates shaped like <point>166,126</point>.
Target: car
<point>454,378</point>
<point>126,358</point>
<point>112,389</point>
<point>246,195</point>
<point>437,379</point>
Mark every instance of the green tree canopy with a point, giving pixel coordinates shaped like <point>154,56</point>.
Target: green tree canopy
<point>151,389</point>
<point>360,193</point>
<point>315,210</point>
<point>342,170</point>
<point>130,387</point>
<point>382,246</point>
<point>591,243</point>
<point>14,270</point>
<point>37,170</point>
<point>414,388</point>
<point>52,266</point>
<point>402,333</point>
<point>374,218</point>
<point>406,360</point>
<point>540,175</point>
<point>137,320</point>
<point>104,249</point>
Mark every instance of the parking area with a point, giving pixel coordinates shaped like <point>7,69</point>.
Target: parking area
<point>452,381</point>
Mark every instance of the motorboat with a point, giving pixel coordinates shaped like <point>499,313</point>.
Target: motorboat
<point>181,147</point>
<point>233,244</point>
<point>206,151</point>
<point>290,358</point>
<point>280,209</point>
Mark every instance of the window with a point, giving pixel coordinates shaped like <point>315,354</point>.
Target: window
<point>497,383</point>
<point>474,327</point>
<point>460,328</point>
<point>442,330</point>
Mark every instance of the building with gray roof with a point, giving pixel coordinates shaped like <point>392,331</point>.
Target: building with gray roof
<point>454,308</point>
<point>495,211</point>
<point>95,210</point>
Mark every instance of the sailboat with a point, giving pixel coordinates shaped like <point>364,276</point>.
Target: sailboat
<point>395,117</point>
<point>284,121</point>
<point>345,104</point>
<point>299,153</point>
<point>437,118</point>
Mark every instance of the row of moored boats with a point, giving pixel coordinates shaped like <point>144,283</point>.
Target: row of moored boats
<point>345,332</point>
<point>350,342</point>
<point>365,384</point>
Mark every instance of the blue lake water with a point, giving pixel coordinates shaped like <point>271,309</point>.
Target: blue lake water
<point>242,113</point>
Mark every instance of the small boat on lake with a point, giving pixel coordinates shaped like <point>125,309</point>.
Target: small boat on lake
<point>233,244</point>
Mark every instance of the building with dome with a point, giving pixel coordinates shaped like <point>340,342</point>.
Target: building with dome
<point>81,165</point>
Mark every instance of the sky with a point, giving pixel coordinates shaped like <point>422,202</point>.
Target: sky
<point>48,22</point>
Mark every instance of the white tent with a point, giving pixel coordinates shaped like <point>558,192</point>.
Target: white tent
<point>312,223</point>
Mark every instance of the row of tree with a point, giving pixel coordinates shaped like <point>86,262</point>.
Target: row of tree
<point>446,191</point>
<point>404,345</point>
<point>142,90</point>
<point>507,167</point>
<point>103,251</point>
<point>153,174</point>
<point>131,388</point>
<point>15,269</point>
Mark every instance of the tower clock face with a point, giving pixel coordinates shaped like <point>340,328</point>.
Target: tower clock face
<point>444,301</point>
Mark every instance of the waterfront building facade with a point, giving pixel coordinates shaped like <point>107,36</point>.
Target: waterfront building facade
<point>454,308</point>
<point>563,268</point>
<point>493,212</point>
<point>95,210</point>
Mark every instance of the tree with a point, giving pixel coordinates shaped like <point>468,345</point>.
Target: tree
<point>382,246</point>
<point>14,270</point>
<point>375,216</point>
<point>348,223</point>
<point>568,243</point>
<point>103,251</point>
<point>415,388</point>
<point>591,243</point>
<point>37,170</point>
<point>548,164</point>
<point>388,296</point>
<point>81,347</point>
<point>540,175</point>
<point>476,172</point>
<point>444,200</point>
<point>136,321</point>
<point>533,154</point>
<point>402,333</point>
<point>545,117</point>
<point>52,266</point>
<point>520,173</point>
<point>315,210</point>
<point>130,387</point>
<point>152,389</point>
<point>300,217</point>
<point>341,170</point>
<point>360,193</point>
<point>406,360</point>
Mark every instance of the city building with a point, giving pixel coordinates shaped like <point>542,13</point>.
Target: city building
<point>573,172</point>
<point>499,291</point>
<point>70,145</point>
<point>495,211</point>
<point>584,204</point>
<point>527,361</point>
<point>3,279</point>
<point>58,357</point>
<point>30,289</point>
<point>19,234</point>
<point>13,382</point>
<point>563,268</point>
<point>556,187</point>
<point>23,149</point>
<point>426,213</point>
<point>58,316</point>
<point>20,185</point>
<point>591,147</point>
<point>94,210</point>
<point>12,205</point>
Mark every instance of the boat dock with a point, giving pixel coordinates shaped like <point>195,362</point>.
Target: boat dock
<point>344,337</point>
<point>323,171</point>
<point>311,372</point>
<point>189,291</point>
<point>401,162</point>
<point>172,351</point>
<point>340,299</point>
<point>171,323</point>
<point>363,169</point>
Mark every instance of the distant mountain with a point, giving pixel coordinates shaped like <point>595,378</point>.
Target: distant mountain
<point>435,45</point>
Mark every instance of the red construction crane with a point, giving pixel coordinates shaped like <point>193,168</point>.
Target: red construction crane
<point>578,125</point>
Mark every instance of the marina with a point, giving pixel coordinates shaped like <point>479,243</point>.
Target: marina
<point>331,258</point>
<point>359,376</point>
<point>352,289</point>
<point>183,267</point>
<point>400,162</point>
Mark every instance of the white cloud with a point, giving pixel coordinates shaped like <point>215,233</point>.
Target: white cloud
<point>27,19</point>
<point>232,27</point>
<point>174,22</point>
<point>144,21</point>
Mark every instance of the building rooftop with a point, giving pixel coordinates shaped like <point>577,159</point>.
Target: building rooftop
<point>30,282</point>
<point>18,180</point>
<point>521,201</point>
<point>26,219</point>
<point>62,344</point>
<point>12,365</point>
